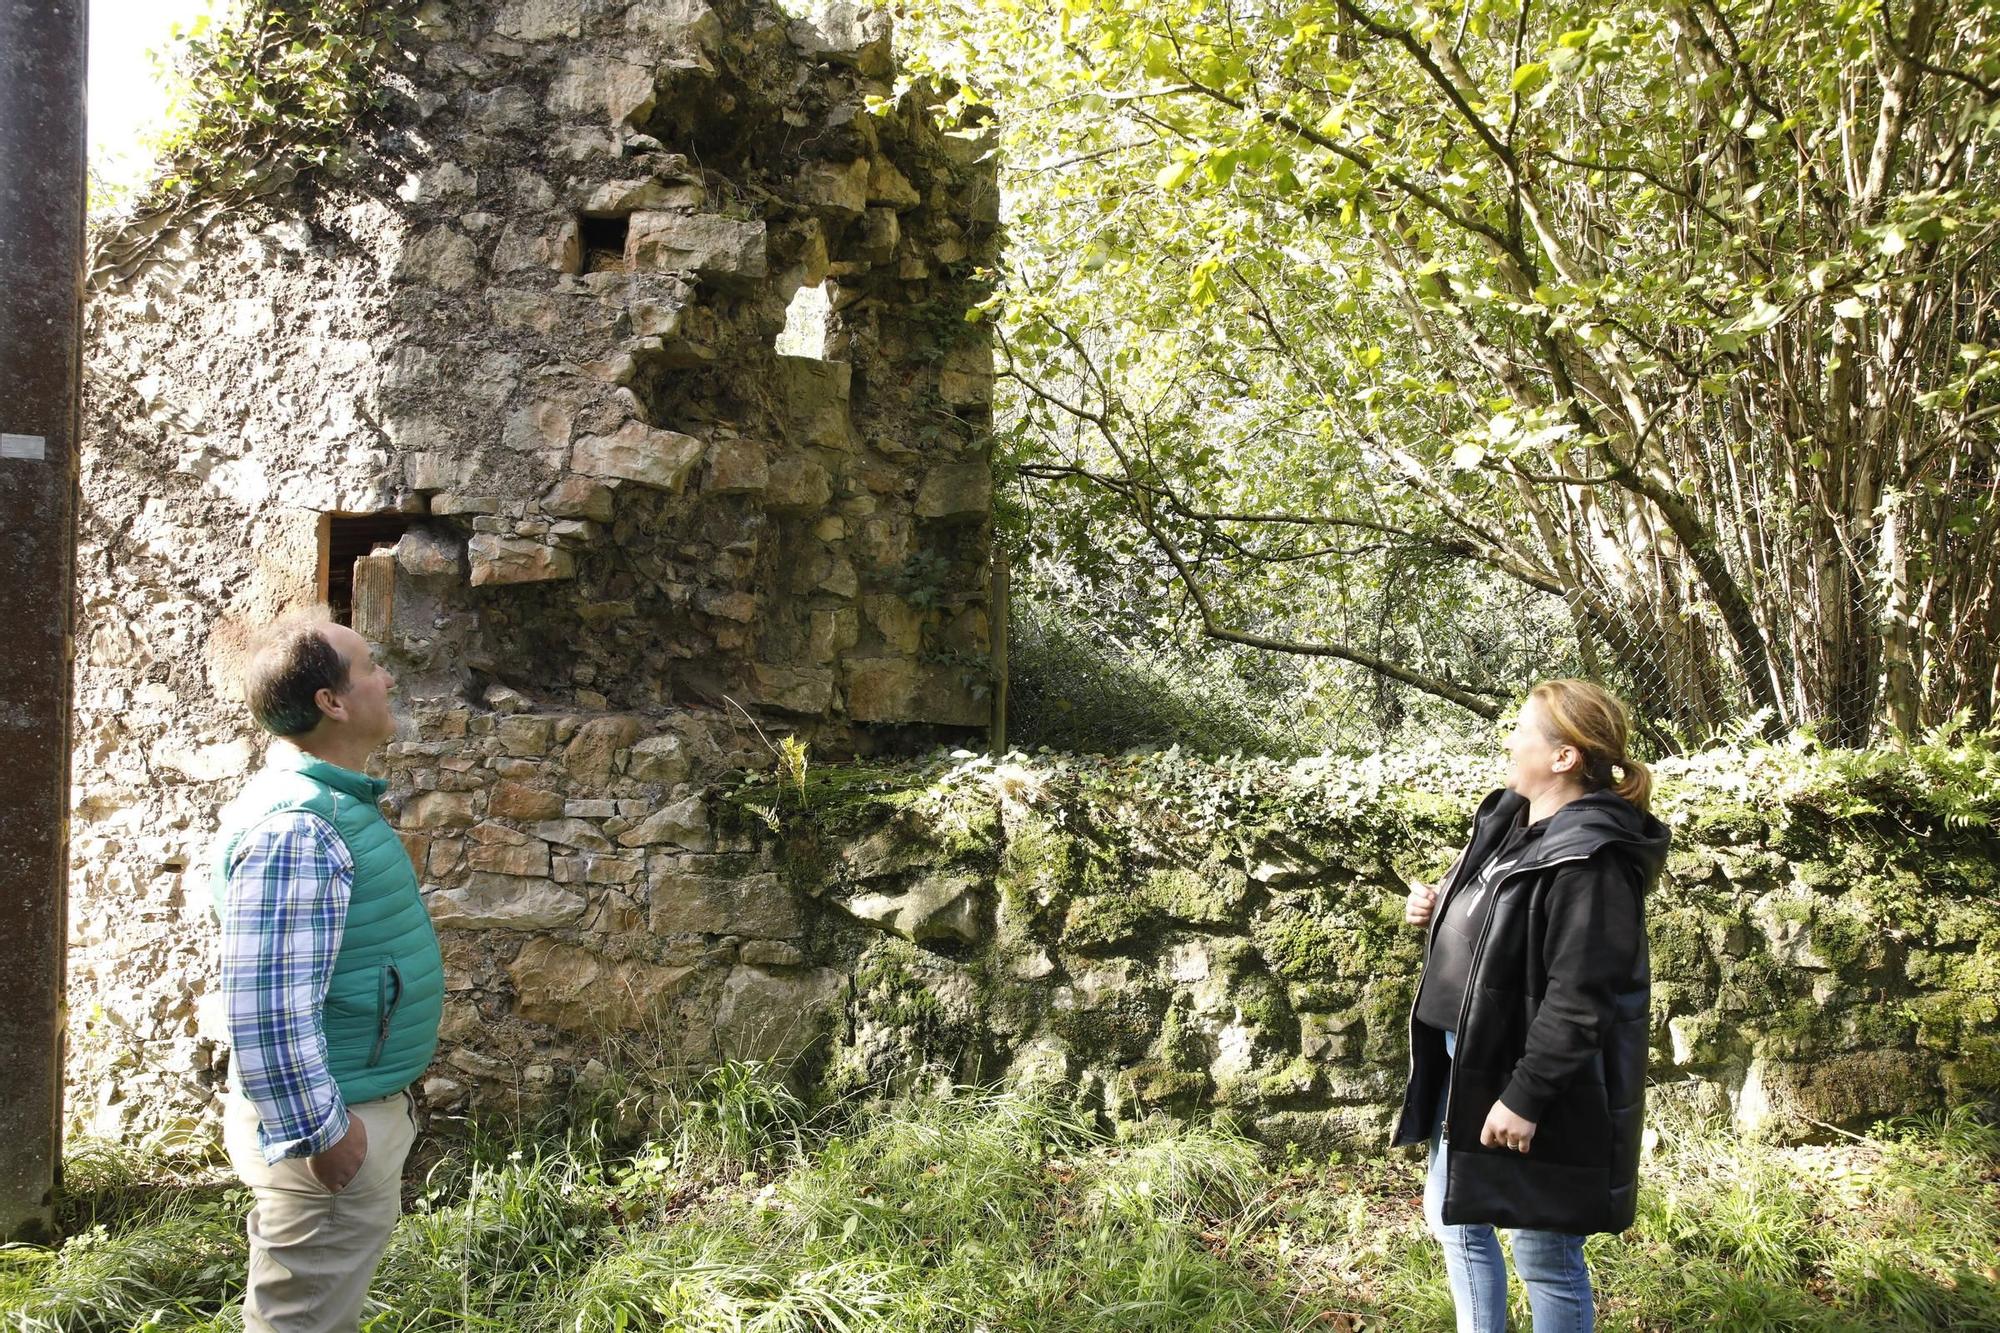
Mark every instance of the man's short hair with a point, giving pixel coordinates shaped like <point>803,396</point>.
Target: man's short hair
<point>290,663</point>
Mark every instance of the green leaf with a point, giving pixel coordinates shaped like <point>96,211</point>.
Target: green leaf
<point>1851,308</point>
<point>1529,77</point>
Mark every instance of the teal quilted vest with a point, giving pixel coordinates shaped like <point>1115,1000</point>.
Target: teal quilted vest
<point>387,992</point>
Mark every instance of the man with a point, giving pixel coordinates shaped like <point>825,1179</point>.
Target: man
<point>331,978</point>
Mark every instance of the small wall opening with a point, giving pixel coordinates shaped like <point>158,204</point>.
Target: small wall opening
<point>602,243</point>
<point>344,539</point>
<point>808,320</point>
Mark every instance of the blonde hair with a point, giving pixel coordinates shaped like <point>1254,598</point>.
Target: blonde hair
<point>1590,718</point>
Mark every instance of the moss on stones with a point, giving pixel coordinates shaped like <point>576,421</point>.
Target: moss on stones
<point>1679,946</point>
<point>1212,895</point>
<point>1298,945</point>
<point>1185,971</point>
<point>1102,921</point>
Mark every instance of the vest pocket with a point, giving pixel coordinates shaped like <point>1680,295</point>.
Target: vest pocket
<point>388,994</point>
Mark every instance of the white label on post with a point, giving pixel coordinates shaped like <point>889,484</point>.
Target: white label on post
<point>33,447</point>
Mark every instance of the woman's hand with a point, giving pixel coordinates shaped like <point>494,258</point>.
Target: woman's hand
<point>1504,1129</point>
<point>1418,906</point>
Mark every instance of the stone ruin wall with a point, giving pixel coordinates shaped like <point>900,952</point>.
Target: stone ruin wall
<point>644,544</point>
<point>647,334</point>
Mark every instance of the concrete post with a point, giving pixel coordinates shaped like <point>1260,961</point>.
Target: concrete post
<point>42,183</point>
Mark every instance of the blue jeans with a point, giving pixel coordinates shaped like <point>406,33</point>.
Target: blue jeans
<point>1550,1262</point>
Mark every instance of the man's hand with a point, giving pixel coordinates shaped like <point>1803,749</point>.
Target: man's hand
<point>1418,906</point>
<point>337,1166</point>
<point>1504,1129</point>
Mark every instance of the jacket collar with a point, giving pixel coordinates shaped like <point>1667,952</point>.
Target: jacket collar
<point>287,757</point>
<point>1579,830</point>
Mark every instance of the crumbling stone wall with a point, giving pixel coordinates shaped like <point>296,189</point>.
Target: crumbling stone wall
<point>649,332</point>
<point>664,510</point>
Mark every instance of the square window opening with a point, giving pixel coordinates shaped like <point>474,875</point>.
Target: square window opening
<point>344,539</point>
<point>602,242</point>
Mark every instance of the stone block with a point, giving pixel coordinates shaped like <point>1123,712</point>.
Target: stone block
<point>508,902</point>
<point>659,759</point>
<point>813,395</point>
<point>897,689</point>
<point>776,1016</point>
<point>879,234</point>
<point>578,833</point>
<point>795,689</point>
<point>888,185</point>
<point>498,559</point>
<point>616,89</point>
<point>661,459</point>
<point>447,858</point>
<point>956,490</point>
<point>592,753</point>
<point>617,198</point>
<point>579,497</point>
<point>900,624</point>
<point>796,482</point>
<point>656,317</point>
<point>740,607</point>
<point>537,428</point>
<point>582,991</point>
<point>374,590</point>
<point>523,737</point>
<point>736,467</point>
<point>935,908</point>
<point>439,809</point>
<point>967,384</point>
<point>539,20</point>
<point>687,23</point>
<point>527,858</point>
<point>703,243</point>
<point>441,258</point>
<point>682,824</point>
<point>426,554</point>
<point>203,763</point>
<point>839,188</point>
<point>432,471</point>
<point>757,906</point>
<point>846,32</point>
<point>1848,1090</point>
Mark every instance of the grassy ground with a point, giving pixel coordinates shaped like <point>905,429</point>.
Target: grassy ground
<point>724,1206</point>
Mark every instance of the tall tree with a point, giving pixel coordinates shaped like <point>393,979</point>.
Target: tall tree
<point>1680,313</point>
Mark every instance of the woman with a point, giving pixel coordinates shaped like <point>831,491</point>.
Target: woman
<point>1528,1036</point>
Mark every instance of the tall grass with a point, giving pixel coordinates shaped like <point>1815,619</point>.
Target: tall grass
<point>731,1208</point>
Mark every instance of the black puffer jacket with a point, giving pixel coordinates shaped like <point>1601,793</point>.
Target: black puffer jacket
<point>1555,1023</point>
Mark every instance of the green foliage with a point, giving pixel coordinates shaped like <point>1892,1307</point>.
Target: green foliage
<point>1075,686</point>
<point>278,88</point>
<point>1005,1210</point>
<point>1443,346</point>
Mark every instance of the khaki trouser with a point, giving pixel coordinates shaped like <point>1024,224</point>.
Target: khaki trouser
<point>313,1252</point>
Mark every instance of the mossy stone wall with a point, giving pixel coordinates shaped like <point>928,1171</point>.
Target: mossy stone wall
<point>1174,936</point>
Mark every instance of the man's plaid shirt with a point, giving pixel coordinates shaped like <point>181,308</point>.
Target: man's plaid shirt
<point>282,919</point>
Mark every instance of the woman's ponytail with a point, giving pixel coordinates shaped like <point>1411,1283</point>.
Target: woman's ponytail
<point>1589,717</point>
<point>1634,782</point>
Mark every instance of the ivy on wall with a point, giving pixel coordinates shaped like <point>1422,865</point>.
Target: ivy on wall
<point>281,88</point>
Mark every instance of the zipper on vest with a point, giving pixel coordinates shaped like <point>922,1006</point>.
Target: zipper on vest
<point>1472,978</point>
<point>388,994</point>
